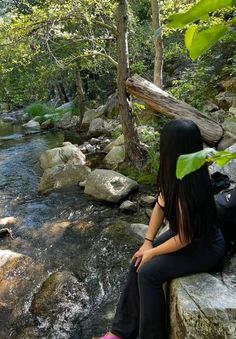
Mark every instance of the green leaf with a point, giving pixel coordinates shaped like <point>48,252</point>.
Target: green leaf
<point>199,42</point>
<point>189,35</point>
<point>221,158</point>
<point>188,163</point>
<point>198,11</point>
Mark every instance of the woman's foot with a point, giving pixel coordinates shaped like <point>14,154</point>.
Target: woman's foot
<point>109,335</point>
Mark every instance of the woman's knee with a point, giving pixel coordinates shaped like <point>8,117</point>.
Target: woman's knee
<point>153,272</point>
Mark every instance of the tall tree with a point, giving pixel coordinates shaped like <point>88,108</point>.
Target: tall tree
<point>158,62</point>
<point>132,146</point>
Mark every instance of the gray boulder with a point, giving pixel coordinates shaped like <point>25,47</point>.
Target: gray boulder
<point>32,124</point>
<point>139,229</point>
<point>202,306</point>
<point>229,169</point>
<point>65,107</point>
<point>148,200</point>
<point>109,185</point>
<point>128,206</point>
<point>225,100</point>
<point>117,142</point>
<point>115,156</point>
<point>61,155</point>
<point>91,114</point>
<point>63,175</point>
<point>99,126</point>
<point>111,109</point>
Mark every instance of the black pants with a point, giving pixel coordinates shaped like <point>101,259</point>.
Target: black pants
<point>141,309</point>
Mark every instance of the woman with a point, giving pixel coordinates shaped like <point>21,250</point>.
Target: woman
<point>193,244</point>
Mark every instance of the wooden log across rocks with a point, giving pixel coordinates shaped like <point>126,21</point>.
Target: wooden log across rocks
<point>164,103</point>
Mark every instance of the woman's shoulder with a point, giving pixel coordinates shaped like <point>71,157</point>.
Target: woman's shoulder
<point>160,201</point>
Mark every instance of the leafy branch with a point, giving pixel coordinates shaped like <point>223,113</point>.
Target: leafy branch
<point>198,38</point>
<point>188,163</point>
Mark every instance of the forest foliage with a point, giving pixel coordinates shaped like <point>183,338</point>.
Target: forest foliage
<point>43,41</point>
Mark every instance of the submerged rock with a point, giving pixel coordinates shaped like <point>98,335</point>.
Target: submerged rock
<point>62,301</point>
<point>109,185</point>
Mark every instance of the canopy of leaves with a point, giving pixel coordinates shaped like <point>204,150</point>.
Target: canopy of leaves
<point>199,38</point>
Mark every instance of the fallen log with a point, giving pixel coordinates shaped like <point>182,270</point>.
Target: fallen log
<point>164,103</point>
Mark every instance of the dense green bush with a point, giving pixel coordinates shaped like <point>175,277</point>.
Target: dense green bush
<point>39,109</point>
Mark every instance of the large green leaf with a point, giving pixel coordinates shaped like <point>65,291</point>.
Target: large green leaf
<point>198,11</point>
<point>199,42</point>
<point>189,36</point>
<point>222,157</point>
<point>188,163</point>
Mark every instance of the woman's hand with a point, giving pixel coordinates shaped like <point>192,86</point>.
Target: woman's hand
<point>137,257</point>
<point>148,255</point>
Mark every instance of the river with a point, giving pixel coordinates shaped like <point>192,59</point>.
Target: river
<point>64,231</point>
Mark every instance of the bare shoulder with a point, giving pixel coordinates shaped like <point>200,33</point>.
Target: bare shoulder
<point>160,200</point>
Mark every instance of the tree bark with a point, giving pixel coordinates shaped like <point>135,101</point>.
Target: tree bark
<point>158,61</point>
<point>164,103</point>
<point>80,97</point>
<point>131,141</point>
<point>62,93</point>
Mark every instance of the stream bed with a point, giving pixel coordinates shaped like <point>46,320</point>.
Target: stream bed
<point>75,250</point>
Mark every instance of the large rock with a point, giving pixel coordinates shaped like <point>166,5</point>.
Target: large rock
<point>62,301</point>
<point>32,124</point>
<point>109,185</point>
<point>19,275</point>
<point>117,142</point>
<point>111,109</point>
<point>61,155</point>
<point>229,85</point>
<point>67,121</point>
<point>63,175</point>
<point>228,169</point>
<point>202,306</point>
<point>99,126</point>
<point>92,114</point>
<point>228,140</point>
<point>65,107</point>
<point>115,156</point>
<point>225,100</point>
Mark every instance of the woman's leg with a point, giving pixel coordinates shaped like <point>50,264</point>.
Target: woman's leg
<point>195,258</point>
<point>126,321</point>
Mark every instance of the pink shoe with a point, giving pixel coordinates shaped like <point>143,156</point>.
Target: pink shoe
<point>110,336</point>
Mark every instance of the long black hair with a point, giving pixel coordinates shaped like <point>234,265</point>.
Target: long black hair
<point>189,203</point>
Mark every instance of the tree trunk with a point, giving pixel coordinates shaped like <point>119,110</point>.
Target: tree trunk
<point>132,146</point>
<point>61,92</point>
<point>164,103</point>
<point>158,61</point>
<point>80,98</point>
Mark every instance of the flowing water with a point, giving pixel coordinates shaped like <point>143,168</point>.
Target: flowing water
<point>82,244</point>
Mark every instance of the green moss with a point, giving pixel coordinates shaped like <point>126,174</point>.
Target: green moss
<point>121,234</point>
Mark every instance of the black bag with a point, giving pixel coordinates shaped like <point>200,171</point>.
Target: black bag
<point>226,210</point>
<point>219,182</point>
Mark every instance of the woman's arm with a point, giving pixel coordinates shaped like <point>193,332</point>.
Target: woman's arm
<point>154,224</point>
<point>156,219</point>
<point>171,245</point>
